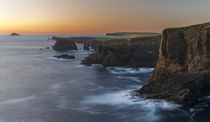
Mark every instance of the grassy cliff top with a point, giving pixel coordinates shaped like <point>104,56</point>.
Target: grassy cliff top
<point>207,25</point>
<point>127,36</point>
<point>133,34</point>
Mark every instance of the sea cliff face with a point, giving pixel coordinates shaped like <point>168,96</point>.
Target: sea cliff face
<point>136,52</point>
<point>182,73</point>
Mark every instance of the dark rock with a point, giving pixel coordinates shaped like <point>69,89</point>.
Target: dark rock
<point>46,48</point>
<point>87,45</point>
<point>64,44</point>
<point>14,34</point>
<point>137,52</point>
<point>65,56</point>
<point>182,73</point>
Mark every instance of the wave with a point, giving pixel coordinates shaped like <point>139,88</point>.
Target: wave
<point>18,100</point>
<point>125,70</point>
<point>124,99</point>
<point>58,59</point>
<point>136,79</point>
<point>201,106</point>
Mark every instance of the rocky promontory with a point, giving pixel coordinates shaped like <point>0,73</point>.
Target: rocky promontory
<point>135,53</point>
<point>182,73</point>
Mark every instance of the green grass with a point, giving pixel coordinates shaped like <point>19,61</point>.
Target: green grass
<point>104,39</point>
<point>141,35</point>
<point>128,37</point>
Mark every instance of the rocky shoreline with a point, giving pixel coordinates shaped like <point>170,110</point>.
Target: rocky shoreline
<point>181,60</point>
<point>115,52</point>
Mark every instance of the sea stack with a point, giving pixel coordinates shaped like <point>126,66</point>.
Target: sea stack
<point>182,73</point>
<point>64,44</point>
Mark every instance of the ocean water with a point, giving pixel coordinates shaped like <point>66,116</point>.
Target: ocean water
<point>36,87</point>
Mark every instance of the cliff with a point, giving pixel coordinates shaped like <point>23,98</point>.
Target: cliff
<point>182,73</point>
<point>64,44</point>
<point>135,52</point>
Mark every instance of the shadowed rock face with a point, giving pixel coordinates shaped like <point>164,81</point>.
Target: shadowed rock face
<point>64,44</point>
<point>137,52</point>
<point>182,73</point>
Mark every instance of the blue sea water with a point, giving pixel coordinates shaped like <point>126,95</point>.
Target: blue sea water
<point>36,87</point>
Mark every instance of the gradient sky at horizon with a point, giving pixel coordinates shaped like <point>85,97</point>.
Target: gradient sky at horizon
<point>99,16</point>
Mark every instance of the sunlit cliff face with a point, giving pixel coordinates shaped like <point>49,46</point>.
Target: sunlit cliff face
<point>99,16</point>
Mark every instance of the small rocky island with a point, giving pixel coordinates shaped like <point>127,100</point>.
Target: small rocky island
<point>14,34</point>
<point>65,56</point>
<point>182,73</point>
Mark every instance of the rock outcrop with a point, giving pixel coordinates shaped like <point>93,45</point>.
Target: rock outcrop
<point>136,52</point>
<point>182,73</point>
<point>65,56</point>
<point>64,44</point>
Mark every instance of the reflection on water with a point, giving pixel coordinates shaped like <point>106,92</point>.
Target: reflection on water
<point>36,87</point>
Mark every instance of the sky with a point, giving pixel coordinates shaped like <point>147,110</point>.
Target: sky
<point>99,16</point>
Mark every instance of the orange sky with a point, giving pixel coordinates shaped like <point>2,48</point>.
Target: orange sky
<point>99,16</point>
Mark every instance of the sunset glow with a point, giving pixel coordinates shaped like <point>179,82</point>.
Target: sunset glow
<point>99,16</point>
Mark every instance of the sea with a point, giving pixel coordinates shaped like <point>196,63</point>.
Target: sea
<point>37,87</point>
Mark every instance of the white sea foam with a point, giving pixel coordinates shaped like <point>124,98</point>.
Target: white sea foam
<point>96,66</point>
<point>18,100</point>
<point>123,99</point>
<point>136,79</point>
<point>125,70</point>
<point>199,108</point>
<point>119,98</point>
<point>58,59</point>
<point>61,84</point>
